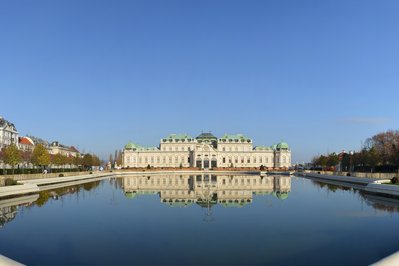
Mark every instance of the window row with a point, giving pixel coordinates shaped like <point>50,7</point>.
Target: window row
<point>247,160</point>
<point>178,148</point>
<point>237,148</point>
<point>163,159</point>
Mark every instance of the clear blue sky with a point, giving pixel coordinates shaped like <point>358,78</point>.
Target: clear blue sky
<point>321,75</point>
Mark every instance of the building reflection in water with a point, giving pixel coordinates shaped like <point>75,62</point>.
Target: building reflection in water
<point>207,190</point>
<point>9,207</point>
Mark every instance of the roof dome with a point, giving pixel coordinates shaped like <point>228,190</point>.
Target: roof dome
<point>131,146</point>
<point>282,146</point>
<point>130,195</point>
<point>282,195</point>
<point>208,136</point>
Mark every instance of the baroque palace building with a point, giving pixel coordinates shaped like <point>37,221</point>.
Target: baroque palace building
<point>207,151</point>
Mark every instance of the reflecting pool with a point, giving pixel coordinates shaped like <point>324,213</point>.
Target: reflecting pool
<point>199,220</point>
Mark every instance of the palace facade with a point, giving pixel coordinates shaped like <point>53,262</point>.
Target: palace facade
<point>207,151</point>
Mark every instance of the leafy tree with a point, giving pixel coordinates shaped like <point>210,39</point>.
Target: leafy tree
<point>12,156</point>
<point>69,160</point>
<point>87,160</point>
<point>77,160</point>
<point>57,159</point>
<point>40,156</point>
<point>332,159</point>
<point>26,156</point>
<point>386,145</point>
<point>96,160</point>
<point>372,159</point>
<point>44,196</point>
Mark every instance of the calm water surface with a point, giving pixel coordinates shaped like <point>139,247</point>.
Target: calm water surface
<point>199,220</point>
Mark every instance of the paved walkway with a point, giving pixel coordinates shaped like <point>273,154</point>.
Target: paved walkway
<point>32,186</point>
<point>346,179</point>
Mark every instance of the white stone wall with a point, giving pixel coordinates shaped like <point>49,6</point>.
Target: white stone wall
<point>246,159</point>
<point>282,159</point>
<point>177,153</point>
<point>155,158</point>
<point>224,159</point>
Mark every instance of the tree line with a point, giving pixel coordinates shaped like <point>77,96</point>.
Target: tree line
<point>40,157</point>
<point>116,159</point>
<point>380,153</point>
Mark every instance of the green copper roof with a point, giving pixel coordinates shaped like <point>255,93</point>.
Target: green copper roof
<point>235,138</point>
<point>130,195</point>
<point>282,146</point>
<point>281,195</point>
<point>179,136</point>
<point>133,146</point>
<point>205,204</point>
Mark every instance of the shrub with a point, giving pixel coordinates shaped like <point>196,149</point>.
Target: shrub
<point>394,180</point>
<point>348,174</point>
<point>148,166</point>
<point>10,182</point>
<point>61,175</point>
<point>91,173</point>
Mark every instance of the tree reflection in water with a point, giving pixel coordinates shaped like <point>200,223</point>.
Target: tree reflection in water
<point>46,195</point>
<point>378,202</point>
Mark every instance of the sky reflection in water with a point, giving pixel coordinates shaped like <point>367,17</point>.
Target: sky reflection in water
<point>197,220</point>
